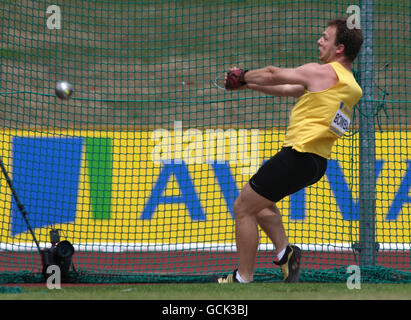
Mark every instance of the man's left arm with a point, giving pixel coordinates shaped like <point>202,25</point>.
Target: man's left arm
<point>272,76</point>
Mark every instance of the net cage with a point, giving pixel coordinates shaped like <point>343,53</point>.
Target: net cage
<point>140,168</point>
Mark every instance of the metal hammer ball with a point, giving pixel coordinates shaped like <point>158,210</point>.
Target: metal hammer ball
<point>64,89</point>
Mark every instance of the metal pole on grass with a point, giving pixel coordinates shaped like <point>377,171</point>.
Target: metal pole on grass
<point>367,166</point>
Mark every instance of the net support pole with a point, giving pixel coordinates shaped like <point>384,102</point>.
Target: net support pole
<point>367,160</point>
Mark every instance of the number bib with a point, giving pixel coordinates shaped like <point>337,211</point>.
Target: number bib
<point>340,123</point>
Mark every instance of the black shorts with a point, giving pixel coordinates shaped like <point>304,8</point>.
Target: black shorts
<point>286,173</point>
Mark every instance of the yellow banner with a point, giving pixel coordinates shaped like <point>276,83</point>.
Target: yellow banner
<point>178,187</point>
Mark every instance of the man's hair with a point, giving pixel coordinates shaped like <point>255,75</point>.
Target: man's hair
<point>352,39</point>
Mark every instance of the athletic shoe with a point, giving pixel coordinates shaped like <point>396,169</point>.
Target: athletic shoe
<point>231,278</point>
<point>290,264</point>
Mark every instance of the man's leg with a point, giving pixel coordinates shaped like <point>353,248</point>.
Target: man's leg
<point>269,219</point>
<point>251,209</point>
<point>246,207</point>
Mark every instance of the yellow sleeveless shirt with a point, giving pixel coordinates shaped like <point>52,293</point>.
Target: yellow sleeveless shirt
<point>319,118</point>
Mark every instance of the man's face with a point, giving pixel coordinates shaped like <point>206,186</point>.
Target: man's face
<point>327,48</point>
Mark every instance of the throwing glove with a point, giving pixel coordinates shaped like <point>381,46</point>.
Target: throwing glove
<point>235,79</point>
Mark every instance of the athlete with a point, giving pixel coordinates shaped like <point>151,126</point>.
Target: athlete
<point>327,94</point>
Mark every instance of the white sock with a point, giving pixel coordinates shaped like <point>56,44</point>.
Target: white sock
<point>281,254</point>
<point>238,277</point>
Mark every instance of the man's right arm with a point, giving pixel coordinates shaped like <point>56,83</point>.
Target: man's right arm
<point>281,90</point>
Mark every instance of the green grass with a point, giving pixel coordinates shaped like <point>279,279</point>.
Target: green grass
<point>134,50</point>
<point>255,291</point>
